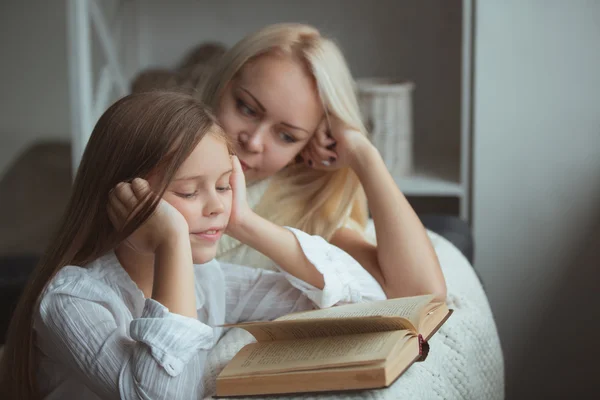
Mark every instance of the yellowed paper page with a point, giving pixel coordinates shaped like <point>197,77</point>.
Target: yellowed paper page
<point>308,354</point>
<point>407,307</point>
<point>308,328</point>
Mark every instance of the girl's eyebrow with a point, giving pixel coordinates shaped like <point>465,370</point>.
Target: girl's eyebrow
<point>263,109</point>
<point>199,177</point>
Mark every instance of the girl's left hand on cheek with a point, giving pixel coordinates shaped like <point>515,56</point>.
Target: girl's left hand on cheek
<point>333,148</point>
<point>239,205</point>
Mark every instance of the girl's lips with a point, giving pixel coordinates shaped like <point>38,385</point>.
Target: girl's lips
<point>209,235</point>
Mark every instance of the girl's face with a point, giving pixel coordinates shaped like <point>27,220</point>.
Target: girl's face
<point>201,192</point>
<point>270,110</point>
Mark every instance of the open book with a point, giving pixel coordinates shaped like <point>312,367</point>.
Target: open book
<point>354,346</point>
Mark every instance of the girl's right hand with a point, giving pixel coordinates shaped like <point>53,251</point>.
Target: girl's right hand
<point>241,212</point>
<point>164,225</point>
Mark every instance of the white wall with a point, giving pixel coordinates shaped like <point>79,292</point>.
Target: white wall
<point>537,187</point>
<point>418,41</point>
<point>34,102</point>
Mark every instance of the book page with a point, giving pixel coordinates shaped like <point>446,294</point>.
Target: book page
<point>407,307</point>
<point>433,320</point>
<point>308,328</point>
<point>297,355</point>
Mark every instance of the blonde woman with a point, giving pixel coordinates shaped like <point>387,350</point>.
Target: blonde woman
<point>285,97</point>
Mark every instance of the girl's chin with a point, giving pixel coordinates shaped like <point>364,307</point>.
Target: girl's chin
<point>202,256</point>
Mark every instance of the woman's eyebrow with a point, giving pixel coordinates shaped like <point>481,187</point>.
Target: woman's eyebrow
<point>263,109</point>
<point>258,103</point>
<point>295,127</point>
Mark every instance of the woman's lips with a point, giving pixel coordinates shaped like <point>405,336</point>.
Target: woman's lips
<point>245,166</point>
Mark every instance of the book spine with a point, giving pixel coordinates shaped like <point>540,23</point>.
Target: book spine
<point>423,349</point>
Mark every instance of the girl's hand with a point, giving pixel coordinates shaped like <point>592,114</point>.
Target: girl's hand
<point>334,145</point>
<point>164,225</point>
<point>240,210</point>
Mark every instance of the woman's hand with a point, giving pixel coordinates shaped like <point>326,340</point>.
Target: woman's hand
<point>334,145</point>
<point>240,210</point>
<point>164,225</point>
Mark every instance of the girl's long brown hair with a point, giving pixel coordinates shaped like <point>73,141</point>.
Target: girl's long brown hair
<point>140,134</point>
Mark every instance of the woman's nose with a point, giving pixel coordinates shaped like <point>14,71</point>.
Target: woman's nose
<point>252,142</point>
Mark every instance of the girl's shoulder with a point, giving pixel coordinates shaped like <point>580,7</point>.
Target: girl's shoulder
<point>101,281</point>
<point>104,269</point>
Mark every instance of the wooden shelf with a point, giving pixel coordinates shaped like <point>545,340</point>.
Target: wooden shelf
<point>426,185</point>
<point>146,34</point>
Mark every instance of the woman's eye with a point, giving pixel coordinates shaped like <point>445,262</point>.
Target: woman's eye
<point>287,137</point>
<point>244,109</point>
<point>223,188</point>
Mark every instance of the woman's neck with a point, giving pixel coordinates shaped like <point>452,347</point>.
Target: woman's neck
<point>140,267</point>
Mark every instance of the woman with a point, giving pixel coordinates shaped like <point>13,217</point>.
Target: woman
<point>285,96</point>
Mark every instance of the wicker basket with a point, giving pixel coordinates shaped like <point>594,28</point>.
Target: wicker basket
<point>386,107</point>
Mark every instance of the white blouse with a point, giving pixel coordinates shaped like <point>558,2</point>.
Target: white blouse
<point>99,338</point>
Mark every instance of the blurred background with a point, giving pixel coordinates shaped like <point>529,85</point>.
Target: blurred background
<point>502,100</point>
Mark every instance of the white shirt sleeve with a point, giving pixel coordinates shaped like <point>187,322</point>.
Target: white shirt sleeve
<point>255,294</point>
<point>159,355</point>
<point>85,326</point>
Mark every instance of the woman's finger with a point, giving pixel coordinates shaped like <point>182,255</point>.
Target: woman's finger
<point>317,162</point>
<point>322,154</point>
<point>306,159</point>
<point>322,136</point>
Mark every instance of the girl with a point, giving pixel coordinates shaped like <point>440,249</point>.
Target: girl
<point>117,308</point>
<point>284,92</point>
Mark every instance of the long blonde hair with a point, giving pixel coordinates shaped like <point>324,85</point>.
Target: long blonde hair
<point>140,134</point>
<point>317,202</point>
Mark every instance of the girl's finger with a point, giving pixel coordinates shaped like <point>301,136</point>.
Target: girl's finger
<point>115,221</point>
<point>124,193</point>
<point>119,210</point>
<point>237,179</point>
<point>141,189</point>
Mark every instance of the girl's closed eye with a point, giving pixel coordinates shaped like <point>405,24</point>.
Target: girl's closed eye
<point>223,188</point>
<point>190,195</point>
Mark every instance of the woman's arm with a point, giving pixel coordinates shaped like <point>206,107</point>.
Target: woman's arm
<point>404,261</point>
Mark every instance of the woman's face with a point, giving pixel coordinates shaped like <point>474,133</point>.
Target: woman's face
<point>270,111</point>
